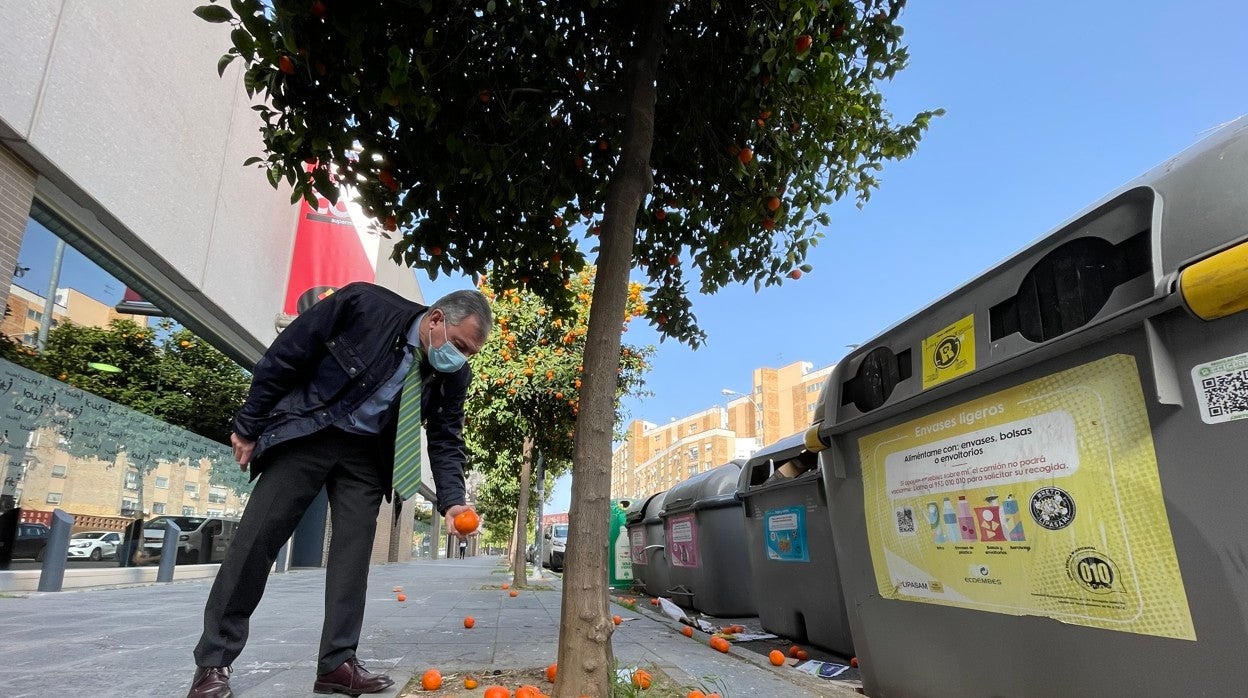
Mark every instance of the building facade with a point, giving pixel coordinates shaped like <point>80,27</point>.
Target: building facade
<point>653,457</point>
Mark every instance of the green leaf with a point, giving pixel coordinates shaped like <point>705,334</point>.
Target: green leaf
<point>769,55</point>
<point>224,63</point>
<point>213,13</point>
<point>243,41</point>
<point>429,37</point>
<point>251,161</point>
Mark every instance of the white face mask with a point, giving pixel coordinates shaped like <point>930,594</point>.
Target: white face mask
<point>446,358</point>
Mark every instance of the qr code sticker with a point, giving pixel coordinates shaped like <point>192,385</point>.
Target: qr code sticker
<point>905,521</point>
<point>1222,389</point>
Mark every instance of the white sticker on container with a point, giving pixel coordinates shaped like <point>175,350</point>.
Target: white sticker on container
<point>1222,389</point>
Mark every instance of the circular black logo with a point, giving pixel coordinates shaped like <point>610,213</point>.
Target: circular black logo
<point>1092,570</point>
<point>1052,508</point>
<point>308,298</point>
<point>947,352</point>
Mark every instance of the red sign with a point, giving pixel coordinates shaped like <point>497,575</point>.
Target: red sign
<point>335,244</point>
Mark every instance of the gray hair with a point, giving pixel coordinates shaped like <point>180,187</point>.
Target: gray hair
<point>458,305</point>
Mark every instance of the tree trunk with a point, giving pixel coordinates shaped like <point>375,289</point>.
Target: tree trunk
<point>585,657</point>
<point>520,575</point>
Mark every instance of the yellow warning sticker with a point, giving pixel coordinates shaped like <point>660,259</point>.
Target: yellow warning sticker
<point>949,353</point>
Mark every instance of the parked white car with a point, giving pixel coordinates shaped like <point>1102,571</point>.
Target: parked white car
<point>94,545</point>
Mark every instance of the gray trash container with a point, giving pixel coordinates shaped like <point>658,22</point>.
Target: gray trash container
<point>651,570</point>
<point>788,534</point>
<point>1037,484</point>
<point>704,527</point>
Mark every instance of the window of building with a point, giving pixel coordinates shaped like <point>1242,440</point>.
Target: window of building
<point>192,490</point>
<point>54,498</point>
<point>33,314</point>
<point>217,495</point>
<point>188,511</point>
<point>158,507</point>
<point>162,483</point>
<point>129,506</point>
<point>132,480</point>
<point>213,512</point>
<point>59,470</point>
<point>693,428</point>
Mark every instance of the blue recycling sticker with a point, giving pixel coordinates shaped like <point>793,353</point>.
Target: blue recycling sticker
<point>785,532</point>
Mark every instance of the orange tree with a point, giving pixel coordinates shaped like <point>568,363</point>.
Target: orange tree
<point>699,136</point>
<point>526,395</point>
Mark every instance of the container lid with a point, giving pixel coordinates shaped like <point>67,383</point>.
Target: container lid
<point>654,507</point>
<point>714,487</point>
<point>762,464</point>
<point>637,509</point>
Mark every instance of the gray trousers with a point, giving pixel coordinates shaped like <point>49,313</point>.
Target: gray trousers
<point>347,466</point>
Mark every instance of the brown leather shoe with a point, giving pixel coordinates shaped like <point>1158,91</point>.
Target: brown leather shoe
<point>351,678</point>
<point>211,682</point>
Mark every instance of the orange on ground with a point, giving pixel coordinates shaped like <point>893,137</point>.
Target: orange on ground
<point>513,593</point>
<point>853,661</point>
<point>527,691</point>
<point>402,598</point>
<point>470,682</point>
<point>696,694</point>
<point>803,655</point>
<point>686,631</point>
<point>497,692</point>
<point>551,672</point>
<point>506,585</point>
<point>432,680</point>
<point>642,679</point>
<point>794,649</point>
<point>776,657</point>
<point>616,619</point>
<point>654,602</point>
<point>719,643</point>
<point>469,622</point>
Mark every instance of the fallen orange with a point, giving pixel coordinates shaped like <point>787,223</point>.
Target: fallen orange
<point>402,598</point>
<point>497,692</point>
<point>642,679</point>
<point>470,682</point>
<point>719,643</point>
<point>469,622</point>
<point>616,619</point>
<point>776,657</point>
<point>551,672</point>
<point>432,680</point>
<point>686,631</point>
<point>513,593</point>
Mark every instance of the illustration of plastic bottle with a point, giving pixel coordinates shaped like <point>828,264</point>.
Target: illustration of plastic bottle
<point>966,520</point>
<point>933,522</point>
<point>1010,519</point>
<point>623,557</point>
<point>951,520</point>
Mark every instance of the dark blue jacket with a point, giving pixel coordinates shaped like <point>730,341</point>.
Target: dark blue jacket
<point>330,360</point>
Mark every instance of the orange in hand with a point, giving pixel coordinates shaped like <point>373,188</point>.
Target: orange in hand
<point>467,522</point>
<point>432,680</point>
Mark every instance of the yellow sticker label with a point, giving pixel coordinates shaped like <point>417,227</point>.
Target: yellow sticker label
<point>1042,499</point>
<point>949,353</point>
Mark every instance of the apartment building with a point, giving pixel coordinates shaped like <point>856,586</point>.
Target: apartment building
<point>653,457</point>
<point>25,310</point>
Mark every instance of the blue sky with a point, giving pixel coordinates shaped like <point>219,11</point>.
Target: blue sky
<point>1050,107</point>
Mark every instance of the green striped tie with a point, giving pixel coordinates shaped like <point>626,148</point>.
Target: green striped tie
<point>407,439</point>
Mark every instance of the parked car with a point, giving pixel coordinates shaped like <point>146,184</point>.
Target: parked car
<point>30,541</point>
<point>211,534</point>
<point>554,544</point>
<point>94,545</point>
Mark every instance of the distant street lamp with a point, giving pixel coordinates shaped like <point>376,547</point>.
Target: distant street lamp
<point>758,411</point>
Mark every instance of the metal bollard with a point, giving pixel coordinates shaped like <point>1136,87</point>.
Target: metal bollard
<point>283,558</point>
<point>168,552</point>
<point>52,576</point>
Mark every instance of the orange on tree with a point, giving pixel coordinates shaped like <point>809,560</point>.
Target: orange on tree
<point>431,680</point>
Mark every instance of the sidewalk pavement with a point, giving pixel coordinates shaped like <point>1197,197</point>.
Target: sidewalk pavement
<point>137,641</point>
